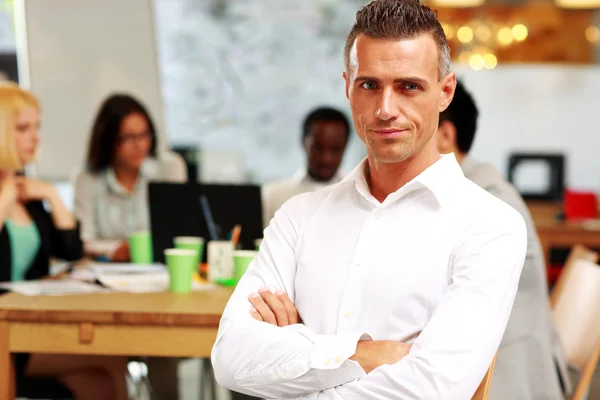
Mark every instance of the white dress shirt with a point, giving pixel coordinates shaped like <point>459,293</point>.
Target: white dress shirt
<point>276,193</point>
<point>436,264</point>
<point>530,350</point>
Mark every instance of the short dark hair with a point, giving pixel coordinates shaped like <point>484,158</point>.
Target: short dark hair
<point>327,114</point>
<point>463,114</point>
<point>399,19</point>
<point>105,130</point>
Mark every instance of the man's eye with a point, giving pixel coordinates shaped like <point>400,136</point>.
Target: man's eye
<point>368,85</point>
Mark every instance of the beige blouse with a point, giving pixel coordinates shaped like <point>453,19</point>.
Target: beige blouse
<point>108,213</point>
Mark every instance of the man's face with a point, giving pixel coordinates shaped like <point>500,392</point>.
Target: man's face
<point>325,145</point>
<point>396,95</point>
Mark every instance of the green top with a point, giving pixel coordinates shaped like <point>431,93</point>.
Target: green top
<point>24,245</point>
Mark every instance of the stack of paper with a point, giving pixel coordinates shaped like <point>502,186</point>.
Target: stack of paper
<point>52,287</point>
<point>135,278</point>
<point>143,283</point>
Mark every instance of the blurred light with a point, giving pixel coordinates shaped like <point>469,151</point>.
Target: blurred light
<point>464,34</point>
<point>578,3</point>
<point>448,30</point>
<point>592,34</point>
<point>476,62</point>
<point>483,33</point>
<point>463,57</point>
<point>458,3</point>
<point>519,32</point>
<point>490,61</point>
<point>505,36</point>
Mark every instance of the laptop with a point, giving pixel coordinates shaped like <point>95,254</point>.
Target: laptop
<point>185,209</point>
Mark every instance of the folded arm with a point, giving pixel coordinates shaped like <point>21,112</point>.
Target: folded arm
<point>268,361</point>
<point>453,352</point>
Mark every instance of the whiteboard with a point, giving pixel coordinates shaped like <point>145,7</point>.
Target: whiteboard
<point>72,54</point>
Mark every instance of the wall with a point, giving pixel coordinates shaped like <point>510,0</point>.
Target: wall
<point>540,108</point>
<point>75,53</point>
<point>241,74</point>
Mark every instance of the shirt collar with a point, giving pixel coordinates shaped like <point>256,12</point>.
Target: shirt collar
<point>146,171</point>
<point>439,178</point>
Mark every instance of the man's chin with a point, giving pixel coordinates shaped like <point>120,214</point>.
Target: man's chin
<point>323,176</point>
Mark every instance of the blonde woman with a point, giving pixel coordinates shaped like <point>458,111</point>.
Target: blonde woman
<point>30,235</point>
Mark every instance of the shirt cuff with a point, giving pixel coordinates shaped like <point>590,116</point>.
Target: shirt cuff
<point>330,351</point>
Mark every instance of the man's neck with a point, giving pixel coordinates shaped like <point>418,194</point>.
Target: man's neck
<point>318,179</point>
<point>460,156</point>
<point>386,178</point>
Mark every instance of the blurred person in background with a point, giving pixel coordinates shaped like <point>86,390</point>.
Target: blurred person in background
<point>111,193</point>
<point>325,134</point>
<point>111,196</point>
<point>529,354</point>
<point>34,226</point>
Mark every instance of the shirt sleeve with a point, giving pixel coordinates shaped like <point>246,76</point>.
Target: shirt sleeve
<point>84,212</point>
<point>267,361</point>
<point>175,168</point>
<point>451,355</point>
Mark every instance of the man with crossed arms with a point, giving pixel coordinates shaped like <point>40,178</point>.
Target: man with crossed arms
<point>396,283</point>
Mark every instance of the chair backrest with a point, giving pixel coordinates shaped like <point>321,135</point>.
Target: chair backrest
<point>484,386</point>
<point>578,252</point>
<point>576,317</point>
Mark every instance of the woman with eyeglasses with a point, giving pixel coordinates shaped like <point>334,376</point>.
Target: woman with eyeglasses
<point>111,193</point>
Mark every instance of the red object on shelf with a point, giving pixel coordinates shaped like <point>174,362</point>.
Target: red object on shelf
<point>580,205</point>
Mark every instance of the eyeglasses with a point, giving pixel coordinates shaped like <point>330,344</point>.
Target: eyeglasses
<point>131,138</point>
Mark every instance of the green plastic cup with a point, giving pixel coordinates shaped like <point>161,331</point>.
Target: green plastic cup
<point>257,243</point>
<point>192,243</point>
<point>140,248</point>
<point>241,260</point>
<point>181,264</point>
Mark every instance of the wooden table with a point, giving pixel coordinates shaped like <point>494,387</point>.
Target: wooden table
<point>555,233</point>
<point>156,324</point>
<point>560,234</point>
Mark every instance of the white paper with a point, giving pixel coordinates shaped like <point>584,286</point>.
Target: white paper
<point>144,283</point>
<point>90,272</point>
<point>52,287</point>
<point>126,268</point>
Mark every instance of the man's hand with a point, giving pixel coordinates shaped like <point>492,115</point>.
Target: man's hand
<point>275,309</point>
<point>371,354</point>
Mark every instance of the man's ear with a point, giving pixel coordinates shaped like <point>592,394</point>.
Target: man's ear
<point>446,137</point>
<point>347,80</point>
<point>448,88</point>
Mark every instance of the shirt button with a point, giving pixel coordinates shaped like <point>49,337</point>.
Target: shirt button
<point>347,313</point>
<point>282,374</point>
<point>377,215</point>
<point>327,361</point>
<point>357,265</point>
<point>339,359</point>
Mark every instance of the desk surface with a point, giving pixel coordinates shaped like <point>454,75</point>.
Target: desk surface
<point>198,309</point>
<point>591,227</point>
